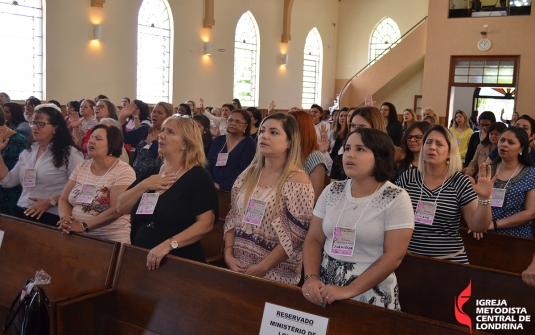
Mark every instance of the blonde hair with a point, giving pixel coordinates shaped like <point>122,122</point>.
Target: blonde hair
<point>293,160</point>
<point>429,110</point>
<point>455,163</point>
<point>414,118</point>
<point>191,134</point>
<point>373,116</point>
<point>464,116</point>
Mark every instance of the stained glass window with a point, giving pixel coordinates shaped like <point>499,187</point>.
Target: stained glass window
<point>21,33</point>
<point>312,65</point>
<point>246,60</point>
<point>154,49</point>
<point>384,36</point>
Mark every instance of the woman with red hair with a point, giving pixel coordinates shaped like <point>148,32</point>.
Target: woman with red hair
<point>314,163</point>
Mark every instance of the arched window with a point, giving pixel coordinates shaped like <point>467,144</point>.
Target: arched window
<point>21,58</point>
<point>154,51</point>
<point>246,60</point>
<point>312,66</point>
<point>384,36</point>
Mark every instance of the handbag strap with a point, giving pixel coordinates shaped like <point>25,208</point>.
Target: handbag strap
<point>7,321</point>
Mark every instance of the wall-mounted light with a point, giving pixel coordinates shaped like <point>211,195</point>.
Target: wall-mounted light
<point>97,32</point>
<point>285,59</point>
<point>207,48</point>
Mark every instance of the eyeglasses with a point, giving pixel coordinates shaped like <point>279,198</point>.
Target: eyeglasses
<point>99,107</point>
<point>38,124</point>
<point>417,138</point>
<point>484,125</point>
<point>236,121</point>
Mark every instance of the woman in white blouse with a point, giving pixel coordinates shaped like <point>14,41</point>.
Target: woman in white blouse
<point>44,168</point>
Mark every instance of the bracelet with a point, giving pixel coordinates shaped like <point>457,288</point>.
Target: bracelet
<point>84,225</point>
<point>229,247</point>
<point>307,277</point>
<point>136,117</point>
<point>495,224</point>
<point>484,202</point>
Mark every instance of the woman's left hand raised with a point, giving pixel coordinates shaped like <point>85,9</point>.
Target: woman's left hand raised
<point>39,208</point>
<point>157,253</point>
<point>485,183</point>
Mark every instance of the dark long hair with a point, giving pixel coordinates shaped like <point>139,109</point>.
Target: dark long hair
<point>383,151</point>
<point>522,136</point>
<point>17,115</point>
<point>62,141</point>
<point>409,155</point>
<point>499,126</point>
<point>143,110</point>
<point>392,113</point>
<point>207,138</point>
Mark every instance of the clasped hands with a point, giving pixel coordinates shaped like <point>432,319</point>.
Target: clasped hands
<point>315,291</point>
<point>68,224</point>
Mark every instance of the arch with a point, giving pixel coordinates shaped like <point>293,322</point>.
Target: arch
<point>312,69</point>
<point>155,30</point>
<point>22,28</point>
<point>246,60</point>
<point>384,36</point>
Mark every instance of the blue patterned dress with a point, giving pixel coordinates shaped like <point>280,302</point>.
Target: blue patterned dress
<point>10,154</point>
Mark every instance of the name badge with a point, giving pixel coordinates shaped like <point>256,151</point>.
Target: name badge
<point>222,159</point>
<point>255,212</point>
<point>425,212</point>
<point>87,194</point>
<point>498,197</point>
<point>459,142</point>
<point>343,241</point>
<point>30,178</point>
<point>147,204</point>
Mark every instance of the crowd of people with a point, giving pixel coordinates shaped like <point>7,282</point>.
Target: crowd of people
<point>149,177</point>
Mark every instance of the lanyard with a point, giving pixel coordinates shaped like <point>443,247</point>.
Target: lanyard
<point>163,176</point>
<point>345,202</point>
<point>505,187</point>
<point>98,182</point>
<point>422,189</point>
<point>235,144</point>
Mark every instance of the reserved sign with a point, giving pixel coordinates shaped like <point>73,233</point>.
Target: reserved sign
<point>278,320</point>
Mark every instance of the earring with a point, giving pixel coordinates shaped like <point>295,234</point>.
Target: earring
<point>520,154</point>
<point>448,161</point>
<point>288,148</point>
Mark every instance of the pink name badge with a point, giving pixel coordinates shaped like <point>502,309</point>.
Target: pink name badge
<point>255,212</point>
<point>87,194</point>
<point>222,159</point>
<point>498,197</point>
<point>343,241</point>
<point>425,212</point>
<point>30,178</point>
<point>147,204</point>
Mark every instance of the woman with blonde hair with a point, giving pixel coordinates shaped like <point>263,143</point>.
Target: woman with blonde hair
<point>462,132</point>
<point>440,194</point>
<point>175,205</point>
<point>409,117</point>
<point>271,207</point>
<point>430,111</point>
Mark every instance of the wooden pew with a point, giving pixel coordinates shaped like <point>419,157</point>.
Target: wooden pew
<point>427,288</point>
<point>223,198</point>
<point>213,242</point>
<point>184,297</point>
<point>77,264</point>
<point>498,251</point>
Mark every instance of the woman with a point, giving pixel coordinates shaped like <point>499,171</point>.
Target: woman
<point>316,111</point>
<point>256,118</point>
<point>84,120</point>
<point>269,245</point>
<point>394,128</point>
<point>204,125</point>
<point>337,149</point>
<point>462,132</point>
<point>103,108</point>
<point>341,123</point>
<point>29,107</point>
<point>14,143</point>
<point>140,115</point>
<point>428,111</point>
<point>183,110</point>
<point>88,202</point>
<point>409,117</point>
<point>440,194</point>
<point>192,106</point>
<point>44,168</point>
<point>236,103</point>
<point>15,120</point>
<point>175,205</point>
<point>411,143</point>
<point>527,123</point>
<point>314,163</point>
<point>4,98</point>
<point>220,122</point>
<point>111,122</point>
<point>511,122</point>
<point>232,153</point>
<point>145,138</point>
<point>513,199</point>
<point>71,108</point>
<point>485,147</point>
<point>360,229</point>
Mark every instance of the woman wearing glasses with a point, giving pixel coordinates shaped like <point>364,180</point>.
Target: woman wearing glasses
<point>411,142</point>
<point>103,109</point>
<point>44,168</point>
<point>232,153</point>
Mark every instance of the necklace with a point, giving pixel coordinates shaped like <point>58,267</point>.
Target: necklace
<point>163,173</point>
<point>356,206</point>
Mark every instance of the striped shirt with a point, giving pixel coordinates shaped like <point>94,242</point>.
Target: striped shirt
<point>442,237</point>
<point>314,159</point>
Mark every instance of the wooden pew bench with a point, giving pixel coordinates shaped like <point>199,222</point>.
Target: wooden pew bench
<point>185,297</point>
<point>78,265</point>
<point>427,288</point>
<point>498,251</point>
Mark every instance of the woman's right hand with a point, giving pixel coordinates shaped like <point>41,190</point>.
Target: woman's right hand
<point>152,136</point>
<point>311,290</point>
<point>157,183</point>
<point>234,264</point>
<point>75,120</point>
<point>201,103</point>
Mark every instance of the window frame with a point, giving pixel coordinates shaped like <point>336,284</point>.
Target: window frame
<point>319,68</point>
<point>255,77</point>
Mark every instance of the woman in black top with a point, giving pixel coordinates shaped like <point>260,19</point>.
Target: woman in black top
<point>394,128</point>
<point>184,200</point>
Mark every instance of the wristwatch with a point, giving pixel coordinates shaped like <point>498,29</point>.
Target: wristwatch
<point>86,228</point>
<point>174,244</point>
<point>53,202</point>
